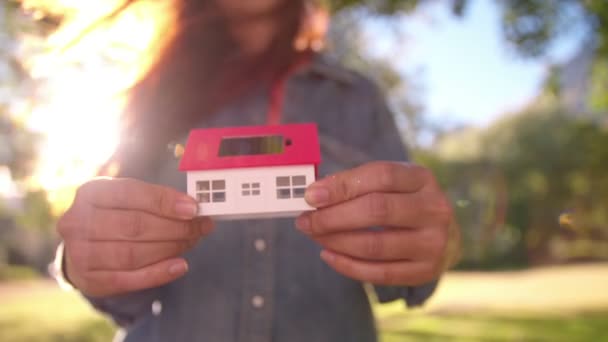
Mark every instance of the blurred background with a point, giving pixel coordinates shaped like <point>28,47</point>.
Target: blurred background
<point>507,102</point>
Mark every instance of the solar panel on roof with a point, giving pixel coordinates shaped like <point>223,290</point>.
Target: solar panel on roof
<point>249,146</point>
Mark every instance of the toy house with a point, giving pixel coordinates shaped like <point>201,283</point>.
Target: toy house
<point>251,172</point>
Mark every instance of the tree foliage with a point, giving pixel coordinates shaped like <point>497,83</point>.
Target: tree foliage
<point>536,193</point>
<point>17,144</point>
<point>533,25</point>
<point>391,7</point>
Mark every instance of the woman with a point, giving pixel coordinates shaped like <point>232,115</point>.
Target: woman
<point>134,249</point>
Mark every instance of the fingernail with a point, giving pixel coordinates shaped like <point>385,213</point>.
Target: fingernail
<point>186,208</point>
<point>303,224</point>
<point>317,196</point>
<point>328,256</point>
<point>178,268</point>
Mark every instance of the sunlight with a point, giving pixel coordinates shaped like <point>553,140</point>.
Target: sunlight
<point>84,84</point>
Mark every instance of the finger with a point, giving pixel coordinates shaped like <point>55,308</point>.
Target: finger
<point>371,210</point>
<point>131,225</point>
<point>384,245</point>
<point>368,178</point>
<point>377,209</point>
<point>123,193</point>
<point>109,283</point>
<point>123,255</point>
<point>403,273</point>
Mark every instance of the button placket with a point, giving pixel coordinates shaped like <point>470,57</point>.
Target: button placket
<point>258,282</point>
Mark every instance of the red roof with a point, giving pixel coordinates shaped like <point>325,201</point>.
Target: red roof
<point>252,146</point>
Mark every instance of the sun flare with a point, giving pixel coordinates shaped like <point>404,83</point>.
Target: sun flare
<point>85,70</point>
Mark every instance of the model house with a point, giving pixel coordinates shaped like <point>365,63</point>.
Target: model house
<point>251,172</point>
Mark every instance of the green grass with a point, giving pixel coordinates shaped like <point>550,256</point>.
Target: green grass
<point>17,273</point>
<point>487,327</point>
<point>568,303</point>
<point>556,304</point>
<point>39,311</point>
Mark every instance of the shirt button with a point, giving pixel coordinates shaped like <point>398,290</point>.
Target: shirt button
<point>157,307</point>
<point>257,302</point>
<point>260,245</point>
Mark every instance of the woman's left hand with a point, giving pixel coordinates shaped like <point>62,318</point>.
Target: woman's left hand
<point>410,215</point>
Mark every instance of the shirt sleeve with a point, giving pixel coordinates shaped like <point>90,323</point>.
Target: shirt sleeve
<point>386,143</point>
<point>124,309</point>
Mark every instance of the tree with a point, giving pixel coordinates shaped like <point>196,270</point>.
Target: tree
<point>534,192</point>
<point>18,145</point>
<point>533,25</point>
<point>391,7</point>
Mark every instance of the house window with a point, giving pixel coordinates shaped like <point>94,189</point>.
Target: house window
<point>250,189</point>
<point>291,187</point>
<point>211,191</point>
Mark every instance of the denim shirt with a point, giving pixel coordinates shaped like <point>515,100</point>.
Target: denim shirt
<point>262,280</point>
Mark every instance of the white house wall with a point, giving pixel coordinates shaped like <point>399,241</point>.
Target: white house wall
<point>265,205</point>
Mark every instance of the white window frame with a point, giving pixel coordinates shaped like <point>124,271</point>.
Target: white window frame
<point>251,189</point>
<point>211,191</point>
<point>290,187</point>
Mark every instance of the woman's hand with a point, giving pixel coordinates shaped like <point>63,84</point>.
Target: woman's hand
<point>123,235</point>
<point>411,217</point>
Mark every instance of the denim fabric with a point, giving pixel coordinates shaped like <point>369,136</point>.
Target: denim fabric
<point>237,291</point>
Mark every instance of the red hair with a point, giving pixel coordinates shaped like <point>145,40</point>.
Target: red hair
<point>200,69</point>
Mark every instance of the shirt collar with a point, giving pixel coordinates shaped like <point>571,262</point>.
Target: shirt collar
<point>327,67</point>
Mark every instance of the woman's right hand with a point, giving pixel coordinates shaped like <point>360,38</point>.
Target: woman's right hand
<point>123,235</point>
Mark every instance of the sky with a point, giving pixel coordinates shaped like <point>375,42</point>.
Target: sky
<point>468,73</point>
